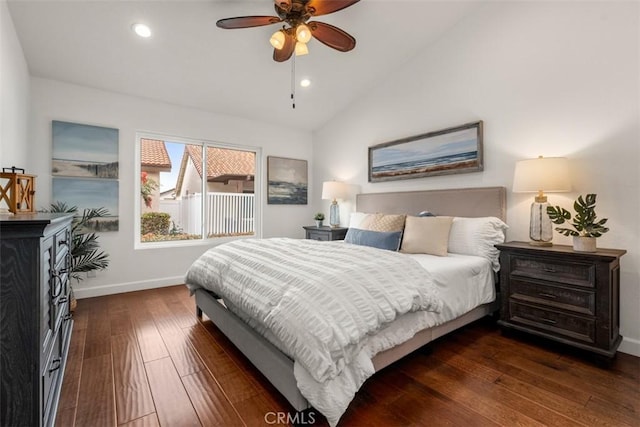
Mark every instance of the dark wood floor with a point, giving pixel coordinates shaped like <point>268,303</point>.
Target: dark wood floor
<point>144,359</point>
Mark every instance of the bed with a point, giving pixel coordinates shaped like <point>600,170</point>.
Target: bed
<point>472,298</point>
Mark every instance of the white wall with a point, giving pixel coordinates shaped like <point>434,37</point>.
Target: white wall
<point>132,269</point>
<point>547,78</point>
<point>14,95</point>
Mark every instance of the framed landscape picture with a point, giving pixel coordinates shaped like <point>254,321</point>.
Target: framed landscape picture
<point>448,151</point>
<point>90,194</point>
<point>84,151</point>
<point>287,181</point>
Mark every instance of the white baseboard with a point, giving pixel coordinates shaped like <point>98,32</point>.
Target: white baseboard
<point>98,291</point>
<point>630,346</point>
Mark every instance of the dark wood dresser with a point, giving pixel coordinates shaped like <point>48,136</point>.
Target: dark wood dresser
<point>557,293</point>
<point>35,323</point>
<point>325,233</point>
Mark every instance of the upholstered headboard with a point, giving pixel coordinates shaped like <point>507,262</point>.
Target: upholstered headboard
<point>469,202</point>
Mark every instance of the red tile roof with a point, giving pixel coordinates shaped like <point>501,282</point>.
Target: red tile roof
<point>223,162</point>
<point>153,153</point>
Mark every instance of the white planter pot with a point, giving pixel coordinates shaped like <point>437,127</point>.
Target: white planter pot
<point>584,244</point>
<point>318,223</point>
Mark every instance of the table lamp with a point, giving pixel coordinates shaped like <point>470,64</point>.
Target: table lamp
<point>334,190</point>
<point>550,174</point>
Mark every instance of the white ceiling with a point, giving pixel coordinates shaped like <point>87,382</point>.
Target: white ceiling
<point>189,61</point>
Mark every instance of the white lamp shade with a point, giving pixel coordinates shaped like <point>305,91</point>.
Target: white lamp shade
<point>333,190</point>
<point>548,174</point>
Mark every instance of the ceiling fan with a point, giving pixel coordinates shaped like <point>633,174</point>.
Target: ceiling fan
<point>294,38</point>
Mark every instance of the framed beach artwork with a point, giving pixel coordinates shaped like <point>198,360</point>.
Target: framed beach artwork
<point>448,151</point>
<point>84,151</point>
<point>90,194</point>
<point>287,181</point>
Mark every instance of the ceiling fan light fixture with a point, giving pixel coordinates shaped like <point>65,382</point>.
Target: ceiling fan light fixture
<point>301,49</point>
<point>277,39</point>
<point>303,33</point>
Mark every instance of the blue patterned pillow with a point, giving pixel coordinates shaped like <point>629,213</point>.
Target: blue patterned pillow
<point>389,240</point>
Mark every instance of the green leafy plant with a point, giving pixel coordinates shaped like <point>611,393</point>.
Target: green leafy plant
<point>155,223</point>
<point>585,222</point>
<point>85,249</point>
<point>319,216</point>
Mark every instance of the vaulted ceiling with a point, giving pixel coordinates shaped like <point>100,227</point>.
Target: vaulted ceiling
<point>188,61</point>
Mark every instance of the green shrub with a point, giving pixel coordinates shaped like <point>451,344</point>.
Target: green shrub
<point>155,223</point>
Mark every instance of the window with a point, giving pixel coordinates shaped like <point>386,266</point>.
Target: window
<point>192,190</point>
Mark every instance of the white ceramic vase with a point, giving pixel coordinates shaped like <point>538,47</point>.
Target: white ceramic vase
<point>584,244</point>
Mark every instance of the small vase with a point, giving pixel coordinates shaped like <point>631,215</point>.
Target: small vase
<point>584,244</point>
<point>318,223</point>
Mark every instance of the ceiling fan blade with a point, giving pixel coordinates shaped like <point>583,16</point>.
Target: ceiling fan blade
<point>281,55</point>
<point>284,5</point>
<point>247,21</point>
<point>332,36</point>
<point>323,7</point>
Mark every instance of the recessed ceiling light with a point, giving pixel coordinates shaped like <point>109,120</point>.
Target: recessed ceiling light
<point>141,30</point>
<point>305,82</point>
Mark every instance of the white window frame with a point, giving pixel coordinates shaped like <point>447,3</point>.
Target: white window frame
<point>208,241</point>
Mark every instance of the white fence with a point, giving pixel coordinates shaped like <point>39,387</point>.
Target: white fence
<point>228,214</point>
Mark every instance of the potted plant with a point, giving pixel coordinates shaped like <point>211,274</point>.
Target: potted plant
<point>86,255</point>
<point>585,223</point>
<point>319,218</point>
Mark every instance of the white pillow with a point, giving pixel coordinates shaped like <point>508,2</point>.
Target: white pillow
<point>356,218</point>
<point>477,236</point>
<point>426,235</point>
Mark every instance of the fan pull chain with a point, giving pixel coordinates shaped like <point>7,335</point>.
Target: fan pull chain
<point>293,82</point>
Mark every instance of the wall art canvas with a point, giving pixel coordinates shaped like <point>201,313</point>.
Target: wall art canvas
<point>448,151</point>
<point>84,151</point>
<point>90,194</point>
<point>287,181</point>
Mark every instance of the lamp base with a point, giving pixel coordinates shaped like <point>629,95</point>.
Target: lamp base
<point>538,243</point>
<point>334,214</point>
<point>540,229</point>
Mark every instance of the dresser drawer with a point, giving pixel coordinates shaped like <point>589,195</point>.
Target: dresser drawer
<point>561,271</point>
<point>573,299</point>
<point>51,374</point>
<point>317,235</point>
<point>576,328</point>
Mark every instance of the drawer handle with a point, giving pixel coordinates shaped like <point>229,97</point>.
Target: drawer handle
<point>549,269</point>
<point>62,300</point>
<point>67,316</point>
<point>63,242</point>
<point>57,286</point>
<point>549,321</point>
<point>55,364</point>
<point>546,295</point>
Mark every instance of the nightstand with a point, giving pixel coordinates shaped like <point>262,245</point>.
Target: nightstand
<point>557,293</point>
<point>325,233</point>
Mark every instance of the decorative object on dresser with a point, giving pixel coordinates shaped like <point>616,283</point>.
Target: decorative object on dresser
<point>325,233</point>
<point>334,190</point>
<point>584,223</point>
<point>34,310</point>
<point>319,217</point>
<point>17,190</point>
<point>567,296</point>
<point>448,151</point>
<point>550,174</point>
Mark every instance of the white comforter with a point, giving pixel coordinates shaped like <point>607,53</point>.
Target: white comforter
<point>317,301</point>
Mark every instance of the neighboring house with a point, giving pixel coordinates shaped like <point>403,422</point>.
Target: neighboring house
<point>153,160</point>
<point>228,171</point>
